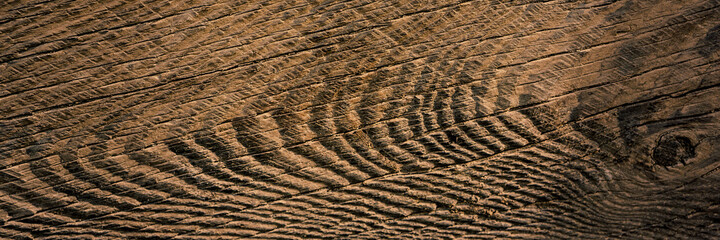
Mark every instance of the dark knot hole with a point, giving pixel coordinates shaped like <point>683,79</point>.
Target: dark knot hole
<point>671,150</point>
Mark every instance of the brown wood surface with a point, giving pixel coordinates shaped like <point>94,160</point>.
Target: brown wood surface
<point>359,119</point>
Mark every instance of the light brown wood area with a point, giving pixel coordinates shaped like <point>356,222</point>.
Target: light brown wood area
<point>359,119</point>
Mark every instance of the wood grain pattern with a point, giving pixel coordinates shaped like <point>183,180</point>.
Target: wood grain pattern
<point>358,119</point>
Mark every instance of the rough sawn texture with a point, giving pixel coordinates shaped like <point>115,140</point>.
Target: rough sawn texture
<point>360,119</point>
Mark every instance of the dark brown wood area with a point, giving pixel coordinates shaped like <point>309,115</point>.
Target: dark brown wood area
<point>360,119</point>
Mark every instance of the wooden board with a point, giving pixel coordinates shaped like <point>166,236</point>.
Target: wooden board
<point>360,119</point>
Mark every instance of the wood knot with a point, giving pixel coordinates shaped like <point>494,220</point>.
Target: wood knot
<point>673,149</point>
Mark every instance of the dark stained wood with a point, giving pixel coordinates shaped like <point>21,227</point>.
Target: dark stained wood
<point>360,119</point>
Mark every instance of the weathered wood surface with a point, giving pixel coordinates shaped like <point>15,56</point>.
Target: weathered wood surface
<point>360,119</point>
